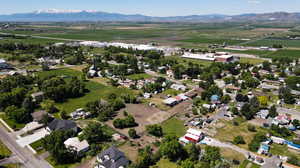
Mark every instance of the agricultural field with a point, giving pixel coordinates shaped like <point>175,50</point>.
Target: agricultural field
<point>184,35</point>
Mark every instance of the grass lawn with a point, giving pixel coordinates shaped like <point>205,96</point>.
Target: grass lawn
<point>96,90</point>
<point>12,124</point>
<point>253,61</point>
<point>4,151</point>
<point>246,163</point>
<point>164,163</point>
<point>13,165</point>
<point>283,150</point>
<point>228,131</point>
<point>55,165</point>
<point>171,92</point>
<point>139,76</point>
<point>284,54</point>
<point>174,126</point>
<point>230,154</point>
<point>37,146</point>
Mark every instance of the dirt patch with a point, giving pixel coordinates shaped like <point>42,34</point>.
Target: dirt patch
<point>131,152</point>
<point>141,113</point>
<point>87,164</point>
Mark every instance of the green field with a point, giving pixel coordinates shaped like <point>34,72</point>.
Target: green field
<point>270,42</point>
<point>139,76</point>
<point>253,61</point>
<point>96,91</point>
<point>174,126</point>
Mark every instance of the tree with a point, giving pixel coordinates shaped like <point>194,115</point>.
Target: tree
<point>193,151</point>
<point>64,115</point>
<point>263,100</point>
<point>28,104</point>
<point>94,133</point>
<point>239,140</point>
<point>155,130</point>
<point>127,122</point>
<point>19,115</point>
<point>187,164</point>
<point>49,106</point>
<point>132,133</point>
<point>296,123</point>
<point>255,142</point>
<point>212,155</point>
<point>285,94</point>
<point>225,99</point>
<point>171,148</point>
<point>273,112</point>
<point>247,112</point>
<point>54,144</point>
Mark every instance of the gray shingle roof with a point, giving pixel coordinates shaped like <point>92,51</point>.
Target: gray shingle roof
<point>57,124</point>
<point>114,154</point>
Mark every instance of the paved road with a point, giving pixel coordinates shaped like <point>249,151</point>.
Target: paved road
<point>25,156</point>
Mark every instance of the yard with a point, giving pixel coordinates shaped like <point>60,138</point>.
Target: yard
<point>174,126</point>
<point>4,151</point>
<point>139,76</point>
<point>37,146</point>
<point>248,164</point>
<point>164,163</point>
<point>143,115</point>
<point>11,123</point>
<point>96,90</point>
<point>226,131</point>
<point>283,150</point>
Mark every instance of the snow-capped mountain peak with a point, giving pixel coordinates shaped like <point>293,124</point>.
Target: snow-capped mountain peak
<point>58,11</point>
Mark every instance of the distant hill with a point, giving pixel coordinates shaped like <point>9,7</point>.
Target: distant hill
<point>84,15</point>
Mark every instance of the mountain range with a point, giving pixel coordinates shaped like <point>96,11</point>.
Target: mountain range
<point>54,15</point>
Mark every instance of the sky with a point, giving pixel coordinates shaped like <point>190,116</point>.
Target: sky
<point>154,7</point>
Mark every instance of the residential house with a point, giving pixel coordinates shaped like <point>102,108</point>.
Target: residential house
<point>178,87</point>
<point>170,73</point>
<point>282,119</point>
<point>112,158</point>
<point>170,101</point>
<point>263,114</point>
<point>79,146</point>
<point>57,124</point>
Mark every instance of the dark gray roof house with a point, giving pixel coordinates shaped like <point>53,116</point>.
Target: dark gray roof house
<point>112,158</point>
<point>57,124</point>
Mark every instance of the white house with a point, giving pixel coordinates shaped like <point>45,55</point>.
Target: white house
<point>75,144</point>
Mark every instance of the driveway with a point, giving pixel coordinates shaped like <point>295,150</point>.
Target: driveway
<point>39,134</point>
